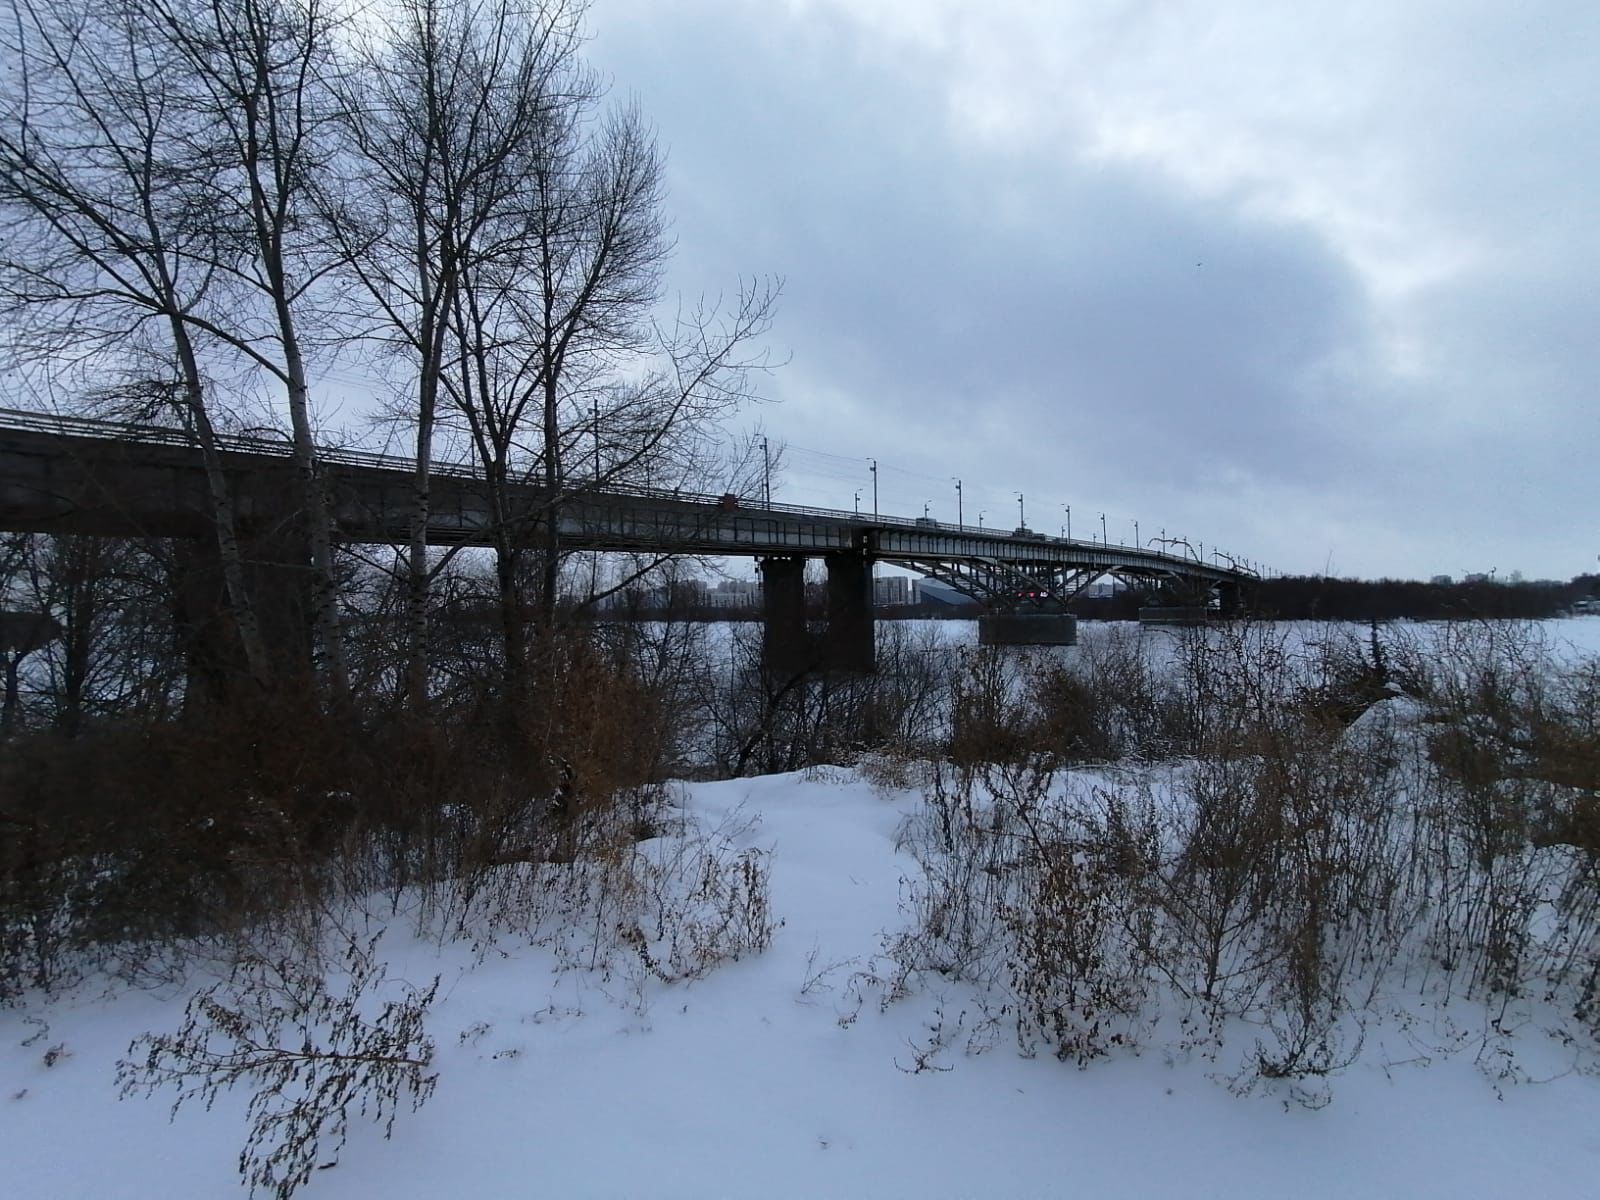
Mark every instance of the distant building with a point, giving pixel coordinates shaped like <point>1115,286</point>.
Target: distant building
<point>931,591</point>
<point>891,590</point>
<point>1442,581</point>
<point>735,593</point>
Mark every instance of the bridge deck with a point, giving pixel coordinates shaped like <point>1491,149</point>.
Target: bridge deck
<point>71,475</point>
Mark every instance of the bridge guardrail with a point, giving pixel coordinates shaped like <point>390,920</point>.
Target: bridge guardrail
<point>278,447</point>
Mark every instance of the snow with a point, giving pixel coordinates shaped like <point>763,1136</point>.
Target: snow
<point>777,1076</point>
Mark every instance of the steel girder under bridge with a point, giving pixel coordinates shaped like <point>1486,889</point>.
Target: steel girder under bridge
<point>70,475</point>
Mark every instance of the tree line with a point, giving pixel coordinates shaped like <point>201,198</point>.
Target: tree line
<point>1313,597</point>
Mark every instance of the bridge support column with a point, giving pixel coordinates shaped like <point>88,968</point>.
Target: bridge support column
<point>277,574</point>
<point>785,645</point>
<point>848,643</point>
<point>1028,629</point>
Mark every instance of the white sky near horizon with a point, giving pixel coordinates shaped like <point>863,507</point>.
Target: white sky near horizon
<point>1314,283</point>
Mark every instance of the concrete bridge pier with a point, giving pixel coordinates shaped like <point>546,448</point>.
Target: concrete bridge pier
<point>277,575</point>
<point>845,645</point>
<point>786,649</point>
<point>847,642</point>
<point>1027,629</point>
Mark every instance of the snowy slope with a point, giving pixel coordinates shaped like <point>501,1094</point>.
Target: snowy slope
<point>771,1078</point>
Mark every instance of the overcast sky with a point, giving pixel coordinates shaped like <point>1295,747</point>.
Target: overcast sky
<point>1315,283</point>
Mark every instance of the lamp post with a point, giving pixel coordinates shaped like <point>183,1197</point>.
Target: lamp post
<point>925,506</point>
<point>766,472</point>
<point>960,518</point>
<point>1136,542</point>
<point>1022,516</point>
<point>874,463</point>
<point>1104,540</point>
<point>981,512</point>
<point>858,502</point>
<point>1068,508</point>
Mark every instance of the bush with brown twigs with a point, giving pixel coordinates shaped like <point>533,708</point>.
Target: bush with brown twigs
<point>1304,863</point>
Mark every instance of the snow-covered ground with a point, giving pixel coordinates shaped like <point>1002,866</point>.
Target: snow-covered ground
<point>771,1077</point>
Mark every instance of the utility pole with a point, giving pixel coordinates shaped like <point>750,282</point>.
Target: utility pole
<point>597,439</point>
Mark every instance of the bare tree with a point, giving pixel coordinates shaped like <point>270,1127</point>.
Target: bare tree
<point>255,78</point>
<point>104,626</point>
<point>506,229</point>
<point>561,375</point>
<point>107,230</point>
<point>440,115</point>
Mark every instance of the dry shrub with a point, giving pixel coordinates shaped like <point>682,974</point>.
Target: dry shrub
<point>1080,931</point>
<point>993,719</point>
<point>751,720</point>
<point>1332,841</point>
<point>543,822</point>
<point>671,908</point>
<point>1137,708</point>
<point>131,838</point>
<point>310,1055</point>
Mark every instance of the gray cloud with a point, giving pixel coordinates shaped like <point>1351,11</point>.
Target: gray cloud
<point>1389,369</point>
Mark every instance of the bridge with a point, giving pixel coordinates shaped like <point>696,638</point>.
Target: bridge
<point>75,475</point>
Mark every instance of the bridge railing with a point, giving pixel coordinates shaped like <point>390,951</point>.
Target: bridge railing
<point>277,446</point>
